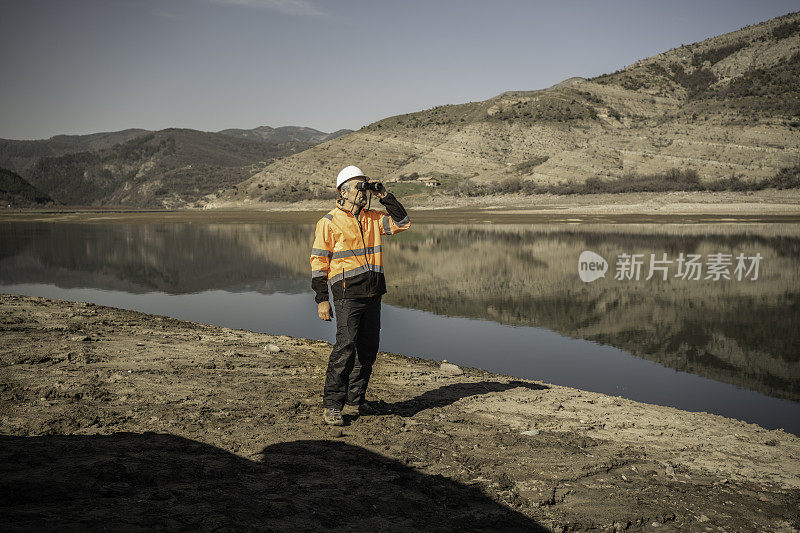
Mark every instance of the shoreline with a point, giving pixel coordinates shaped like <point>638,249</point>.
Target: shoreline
<point>770,203</point>
<point>627,208</point>
<point>586,460</point>
<point>763,202</point>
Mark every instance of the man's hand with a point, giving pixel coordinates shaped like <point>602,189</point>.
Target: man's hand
<point>324,310</point>
<point>381,194</point>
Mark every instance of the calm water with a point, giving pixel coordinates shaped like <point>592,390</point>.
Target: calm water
<point>506,298</point>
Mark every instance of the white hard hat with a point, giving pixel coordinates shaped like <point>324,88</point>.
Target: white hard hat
<point>347,173</point>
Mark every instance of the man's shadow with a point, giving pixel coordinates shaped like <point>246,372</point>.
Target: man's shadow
<point>132,481</point>
<point>449,394</point>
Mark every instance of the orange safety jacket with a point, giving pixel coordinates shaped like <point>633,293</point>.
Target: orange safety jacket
<point>347,252</point>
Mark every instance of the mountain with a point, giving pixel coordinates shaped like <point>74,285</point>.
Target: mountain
<point>15,191</point>
<point>17,155</point>
<point>723,108</point>
<point>285,134</point>
<point>167,168</point>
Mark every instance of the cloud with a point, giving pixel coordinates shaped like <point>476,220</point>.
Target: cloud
<point>287,7</point>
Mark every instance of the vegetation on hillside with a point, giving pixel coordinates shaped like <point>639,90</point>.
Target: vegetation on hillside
<point>786,30</point>
<point>173,163</point>
<point>15,191</point>
<point>17,155</point>
<point>767,90</point>
<point>715,55</point>
<point>293,191</point>
<point>672,180</point>
<point>764,91</point>
<point>144,168</point>
<point>285,134</point>
<point>525,108</point>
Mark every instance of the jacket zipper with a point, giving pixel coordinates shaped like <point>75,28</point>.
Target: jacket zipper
<point>366,261</point>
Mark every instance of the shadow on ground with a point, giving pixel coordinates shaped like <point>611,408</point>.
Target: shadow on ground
<point>449,394</point>
<point>144,481</point>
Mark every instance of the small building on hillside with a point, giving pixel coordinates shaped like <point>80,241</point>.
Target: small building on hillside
<point>431,182</point>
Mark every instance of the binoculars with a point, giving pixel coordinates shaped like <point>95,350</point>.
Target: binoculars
<point>376,186</point>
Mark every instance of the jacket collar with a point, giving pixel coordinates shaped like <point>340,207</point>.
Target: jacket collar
<point>348,212</point>
<point>344,210</point>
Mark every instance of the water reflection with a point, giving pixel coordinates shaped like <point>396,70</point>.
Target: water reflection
<point>744,333</point>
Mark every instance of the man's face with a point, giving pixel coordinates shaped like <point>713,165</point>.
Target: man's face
<point>354,195</point>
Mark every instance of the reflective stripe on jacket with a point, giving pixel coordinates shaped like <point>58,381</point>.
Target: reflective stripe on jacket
<point>352,263</point>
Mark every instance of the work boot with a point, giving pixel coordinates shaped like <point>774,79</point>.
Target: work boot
<point>368,408</point>
<point>350,409</point>
<point>333,416</point>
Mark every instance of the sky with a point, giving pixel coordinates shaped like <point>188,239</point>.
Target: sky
<point>86,66</point>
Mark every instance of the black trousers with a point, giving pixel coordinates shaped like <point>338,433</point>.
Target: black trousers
<point>358,324</point>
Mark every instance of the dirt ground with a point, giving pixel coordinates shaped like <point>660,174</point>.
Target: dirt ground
<point>120,420</point>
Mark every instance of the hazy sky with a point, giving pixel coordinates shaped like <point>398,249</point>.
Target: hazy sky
<point>83,66</point>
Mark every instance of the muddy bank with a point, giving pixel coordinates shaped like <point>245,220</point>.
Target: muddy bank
<point>730,203</point>
<point>764,205</point>
<point>114,418</point>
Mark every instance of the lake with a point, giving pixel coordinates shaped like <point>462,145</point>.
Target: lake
<point>699,316</point>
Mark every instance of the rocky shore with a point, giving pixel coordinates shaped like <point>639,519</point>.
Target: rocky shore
<point>123,420</point>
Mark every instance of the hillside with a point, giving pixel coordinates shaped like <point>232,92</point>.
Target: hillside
<point>285,134</point>
<point>15,191</point>
<point>91,168</point>
<point>724,112</point>
<point>18,155</point>
<point>167,168</point>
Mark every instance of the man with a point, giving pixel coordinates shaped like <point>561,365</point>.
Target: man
<point>347,254</point>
